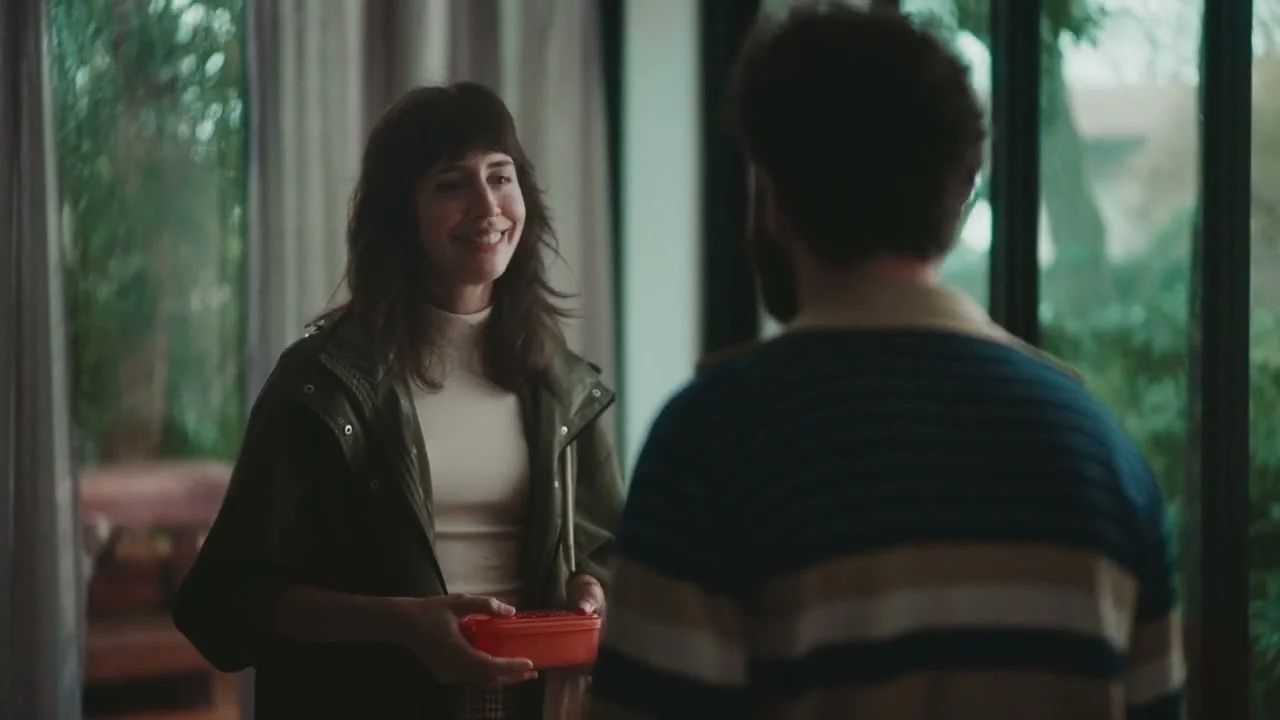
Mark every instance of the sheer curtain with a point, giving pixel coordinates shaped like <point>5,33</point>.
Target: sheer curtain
<point>308,90</point>
<point>40,599</point>
<point>553,81</point>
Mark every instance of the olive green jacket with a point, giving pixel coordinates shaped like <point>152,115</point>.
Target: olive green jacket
<point>332,489</point>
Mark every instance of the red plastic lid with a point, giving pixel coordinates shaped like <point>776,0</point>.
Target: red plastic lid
<point>534,621</point>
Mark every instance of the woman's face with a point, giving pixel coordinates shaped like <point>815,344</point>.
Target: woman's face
<point>470,217</point>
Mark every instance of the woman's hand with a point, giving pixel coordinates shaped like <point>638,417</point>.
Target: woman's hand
<point>431,631</point>
<point>585,593</point>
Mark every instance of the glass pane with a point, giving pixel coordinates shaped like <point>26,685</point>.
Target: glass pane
<point>1265,386</point>
<point>963,24</point>
<point>150,121</point>
<point>1119,173</point>
<point>149,100</point>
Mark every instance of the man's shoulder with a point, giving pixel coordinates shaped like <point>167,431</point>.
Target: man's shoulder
<point>727,355</point>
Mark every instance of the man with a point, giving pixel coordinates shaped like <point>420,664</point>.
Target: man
<point>894,510</point>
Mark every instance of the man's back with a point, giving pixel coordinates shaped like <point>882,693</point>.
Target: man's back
<point>887,523</point>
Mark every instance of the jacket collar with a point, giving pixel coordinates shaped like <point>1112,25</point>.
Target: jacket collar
<point>573,388</point>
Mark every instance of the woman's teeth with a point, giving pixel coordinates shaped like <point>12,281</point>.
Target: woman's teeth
<point>490,239</point>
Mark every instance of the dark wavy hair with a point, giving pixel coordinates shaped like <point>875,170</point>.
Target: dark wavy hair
<point>387,271</point>
<point>865,124</point>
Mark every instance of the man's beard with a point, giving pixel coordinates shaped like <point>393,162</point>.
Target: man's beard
<point>774,269</point>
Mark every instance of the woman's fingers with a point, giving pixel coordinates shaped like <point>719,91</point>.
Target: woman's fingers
<point>478,605</point>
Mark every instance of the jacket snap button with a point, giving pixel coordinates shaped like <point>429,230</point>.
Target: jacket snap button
<point>346,430</point>
<point>595,392</point>
<point>564,429</point>
<point>308,388</point>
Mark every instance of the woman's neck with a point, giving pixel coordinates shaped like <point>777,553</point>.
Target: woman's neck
<point>465,300</point>
<point>460,336</point>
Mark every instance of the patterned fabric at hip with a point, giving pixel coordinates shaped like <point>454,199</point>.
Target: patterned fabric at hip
<point>514,702</point>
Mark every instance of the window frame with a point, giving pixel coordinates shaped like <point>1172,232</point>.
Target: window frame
<point>1216,543</point>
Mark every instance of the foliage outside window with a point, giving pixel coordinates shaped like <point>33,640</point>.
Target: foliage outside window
<point>149,102</point>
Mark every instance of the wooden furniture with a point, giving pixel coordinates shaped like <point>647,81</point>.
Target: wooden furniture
<point>154,516</point>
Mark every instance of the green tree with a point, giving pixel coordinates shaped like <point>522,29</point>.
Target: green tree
<point>150,116</point>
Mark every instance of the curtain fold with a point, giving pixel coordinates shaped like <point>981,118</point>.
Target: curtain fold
<point>555,88</point>
<point>309,110</point>
<point>41,604</point>
<point>321,72</point>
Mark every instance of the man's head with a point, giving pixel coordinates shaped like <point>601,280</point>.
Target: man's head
<point>865,138</point>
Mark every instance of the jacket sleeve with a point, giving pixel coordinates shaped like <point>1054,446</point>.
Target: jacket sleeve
<point>598,503</point>
<point>263,535</point>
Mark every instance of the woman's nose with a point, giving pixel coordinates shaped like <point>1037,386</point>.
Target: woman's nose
<point>484,203</point>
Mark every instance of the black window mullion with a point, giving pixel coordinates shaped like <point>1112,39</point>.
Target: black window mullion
<point>612,15</point>
<point>1015,165</point>
<point>730,310</point>
<point>1217,539</point>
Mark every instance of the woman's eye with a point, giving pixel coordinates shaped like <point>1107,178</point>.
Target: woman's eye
<point>503,180</point>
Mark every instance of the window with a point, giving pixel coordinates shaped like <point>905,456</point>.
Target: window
<point>150,125</point>
<point>1124,146</point>
<point>1265,364</point>
<point>149,101</point>
<point>1119,176</point>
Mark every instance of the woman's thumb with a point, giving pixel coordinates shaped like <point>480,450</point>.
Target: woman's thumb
<point>478,605</point>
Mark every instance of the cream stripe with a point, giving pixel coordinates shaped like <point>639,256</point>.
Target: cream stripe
<point>918,566</point>
<point>681,650</point>
<point>1156,639</point>
<point>667,601</point>
<point>940,608</point>
<point>1154,680</point>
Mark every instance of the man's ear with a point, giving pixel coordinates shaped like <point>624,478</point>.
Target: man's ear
<point>763,201</point>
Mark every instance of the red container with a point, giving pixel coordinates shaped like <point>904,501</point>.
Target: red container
<point>548,639</point>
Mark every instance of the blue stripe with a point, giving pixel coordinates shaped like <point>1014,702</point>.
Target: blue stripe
<point>867,663</point>
<point>637,686</point>
<point>1169,707</point>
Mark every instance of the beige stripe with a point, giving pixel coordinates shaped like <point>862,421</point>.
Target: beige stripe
<point>1157,639</point>
<point>870,575</point>
<point>1155,680</point>
<point>664,600</point>
<point>902,612</point>
<point>673,626</point>
<point>994,695</point>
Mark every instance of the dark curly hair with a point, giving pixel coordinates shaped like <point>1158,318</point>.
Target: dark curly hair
<point>387,272</point>
<point>866,127</point>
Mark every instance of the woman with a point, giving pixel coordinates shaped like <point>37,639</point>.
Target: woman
<point>401,467</point>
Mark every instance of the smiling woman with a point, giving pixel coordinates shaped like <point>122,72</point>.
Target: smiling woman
<point>432,173</point>
<point>470,217</point>
<point>415,444</point>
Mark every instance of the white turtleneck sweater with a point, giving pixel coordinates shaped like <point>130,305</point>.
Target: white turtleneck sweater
<point>479,468</point>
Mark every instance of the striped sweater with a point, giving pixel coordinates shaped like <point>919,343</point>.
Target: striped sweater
<point>890,523</point>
